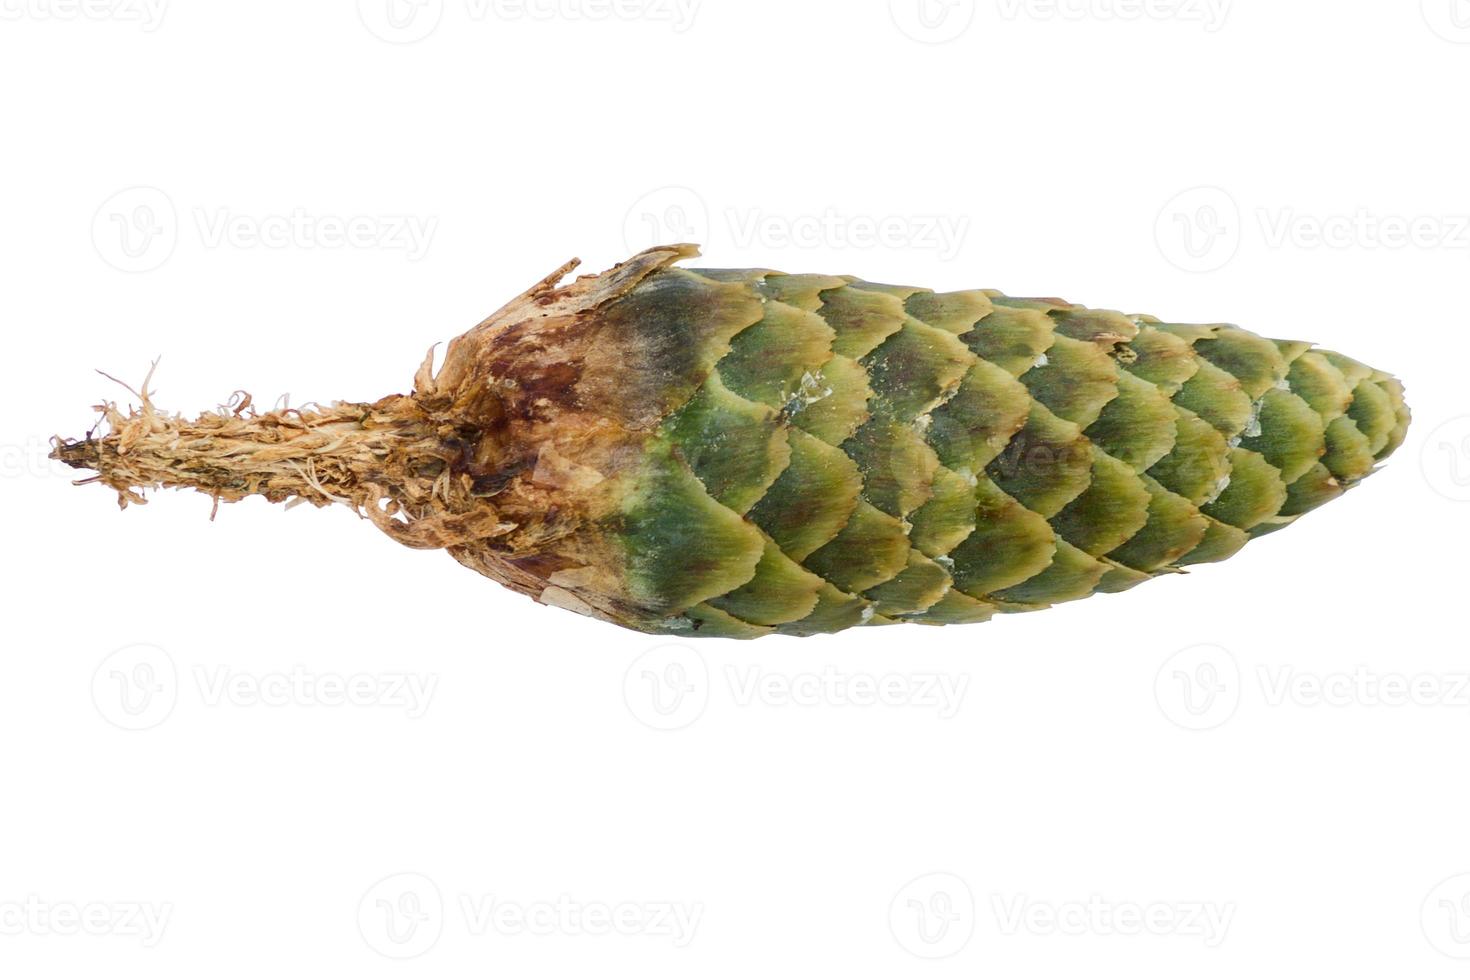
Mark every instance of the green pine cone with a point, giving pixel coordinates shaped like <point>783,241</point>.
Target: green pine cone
<point>870,454</point>
<point>735,453</point>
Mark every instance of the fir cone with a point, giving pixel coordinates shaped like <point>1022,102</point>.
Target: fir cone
<point>735,453</point>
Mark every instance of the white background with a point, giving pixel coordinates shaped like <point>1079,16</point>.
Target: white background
<point>1227,756</point>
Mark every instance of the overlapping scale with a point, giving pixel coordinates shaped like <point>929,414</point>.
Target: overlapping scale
<point>865,454</point>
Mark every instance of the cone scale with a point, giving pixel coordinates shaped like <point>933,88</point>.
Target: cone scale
<point>737,453</point>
